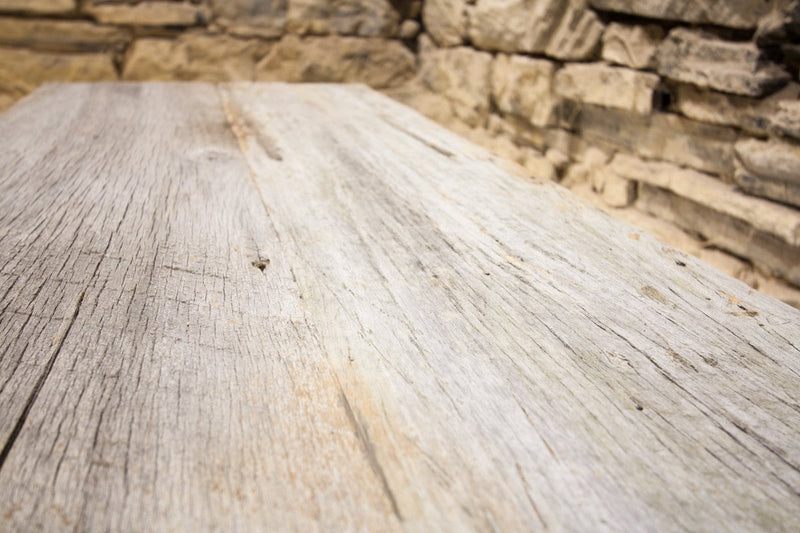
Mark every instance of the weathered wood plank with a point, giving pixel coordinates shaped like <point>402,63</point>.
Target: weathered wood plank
<point>188,389</point>
<point>433,344</point>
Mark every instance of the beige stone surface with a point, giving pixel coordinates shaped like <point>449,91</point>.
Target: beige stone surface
<point>618,191</point>
<point>631,46</point>
<point>732,13</point>
<point>409,29</point>
<point>21,71</point>
<point>523,86</point>
<point>704,60</point>
<point>365,18</point>
<point>193,57</point>
<point>433,105</point>
<point>786,119</point>
<point>256,18</point>
<point>757,115</point>
<point>38,6</point>
<point>564,29</point>
<point>770,169</point>
<point>774,219</point>
<point>445,21</point>
<point>663,136</point>
<point>149,13</point>
<point>376,62</point>
<point>460,74</point>
<point>600,84</point>
<point>60,35</point>
<point>726,232</point>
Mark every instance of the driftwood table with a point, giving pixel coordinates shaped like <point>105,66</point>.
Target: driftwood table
<point>272,307</point>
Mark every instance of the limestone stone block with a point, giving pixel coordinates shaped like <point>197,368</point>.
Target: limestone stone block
<point>773,113</point>
<point>603,85</point>
<point>726,232</point>
<point>60,35</point>
<point>365,18</point>
<point>376,62</point>
<point>251,18</point>
<point>780,25</point>
<point>433,105</point>
<point>703,60</point>
<point>618,191</point>
<point>193,57</point>
<point>523,87</point>
<point>38,6</point>
<point>631,46</point>
<point>731,13</point>
<point>409,29</point>
<point>564,29</point>
<point>21,71</point>
<point>149,13</point>
<point>663,136</point>
<point>780,221</point>
<point>786,119</point>
<point>460,74</point>
<point>445,21</point>
<point>770,169</point>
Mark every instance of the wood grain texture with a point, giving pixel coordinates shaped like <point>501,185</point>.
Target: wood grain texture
<point>262,306</point>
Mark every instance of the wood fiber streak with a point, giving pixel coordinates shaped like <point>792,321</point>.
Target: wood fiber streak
<point>264,306</point>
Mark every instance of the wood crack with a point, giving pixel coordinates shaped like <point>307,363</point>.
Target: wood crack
<point>59,343</point>
<point>369,451</point>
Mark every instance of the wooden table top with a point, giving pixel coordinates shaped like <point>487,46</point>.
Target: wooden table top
<point>270,307</point>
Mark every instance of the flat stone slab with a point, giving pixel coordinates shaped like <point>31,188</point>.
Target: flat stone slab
<point>306,307</point>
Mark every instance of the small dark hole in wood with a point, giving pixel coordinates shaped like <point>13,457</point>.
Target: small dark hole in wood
<point>261,264</point>
<point>639,407</point>
<point>487,273</point>
<point>680,263</point>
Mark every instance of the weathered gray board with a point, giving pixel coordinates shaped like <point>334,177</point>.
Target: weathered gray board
<point>272,307</point>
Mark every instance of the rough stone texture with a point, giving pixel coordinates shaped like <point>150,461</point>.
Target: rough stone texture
<point>462,75</point>
<point>409,29</point>
<point>658,136</point>
<point>38,6</point>
<point>726,232</point>
<point>193,57</point>
<point>786,119</point>
<point>600,84</point>
<point>732,13</point>
<point>522,86</point>
<point>366,18</point>
<point>445,21</point>
<point>564,29</point>
<point>782,24</point>
<point>61,35</point>
<point>701,59</point>
<point>433,105</point>
<point>21,70</point>
<point>148,13</point>
<point>631,46</point>
<point>375,62</point>
<point>618,191</point>
<point>770,169</point>
<point>780,221</point>
<point>257,18</point>
<point>761,116</point>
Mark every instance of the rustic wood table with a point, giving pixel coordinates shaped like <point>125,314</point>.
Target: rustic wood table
<point>272,307</point>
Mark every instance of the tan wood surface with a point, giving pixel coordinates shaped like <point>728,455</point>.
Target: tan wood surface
<point>280,307</point>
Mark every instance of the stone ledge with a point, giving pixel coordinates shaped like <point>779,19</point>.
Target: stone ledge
<point>728,233</point>
<point>149,14</point>
<point>38,7</point>
<point>60,35</point>
<point>780,221</point>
